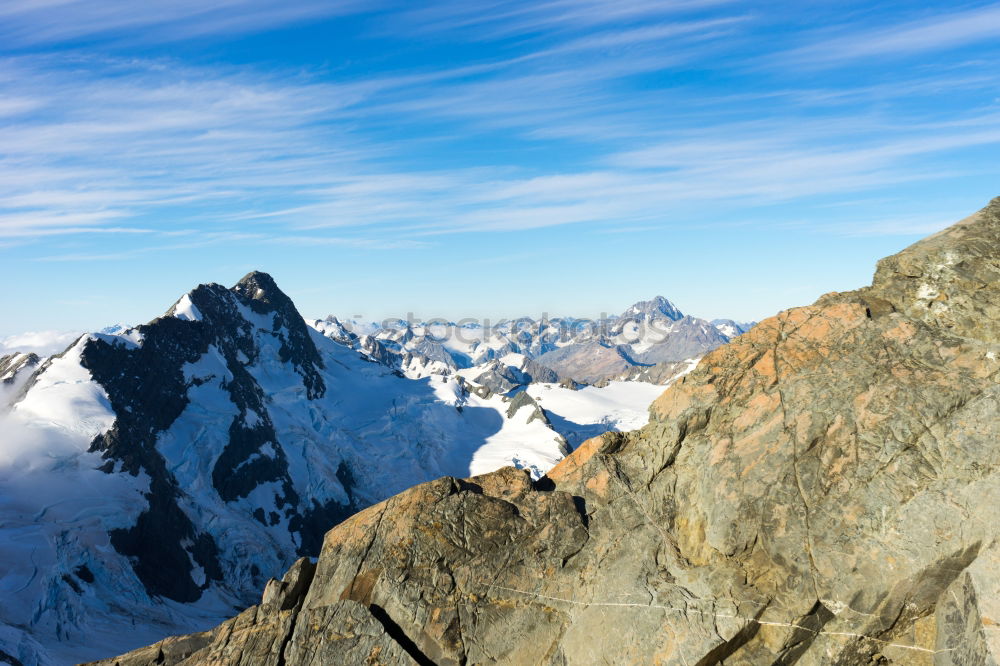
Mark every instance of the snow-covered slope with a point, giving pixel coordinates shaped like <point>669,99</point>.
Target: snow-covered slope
<point>579,414</point>
<point>163,473</point>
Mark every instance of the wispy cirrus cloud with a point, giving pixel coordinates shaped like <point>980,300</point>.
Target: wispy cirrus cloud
<point>167,138</point>
<point>32,23</point>
<point>141,147</point>
<point>933,32</point>
<point>110,140</point>
<point>232,147</point>
<point>498,19</point>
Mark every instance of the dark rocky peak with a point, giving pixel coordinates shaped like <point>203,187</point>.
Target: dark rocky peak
<point>263,296</point>
<point>334,329</point>
<point>657,308</point>
<point>522,399</point>
<point>261,287</point>
<point>502,378</point>
<point>220,310</point>
<point>209,300</point>
<point>148,387</point>
<point>376,351</point>
<point>406,335</point>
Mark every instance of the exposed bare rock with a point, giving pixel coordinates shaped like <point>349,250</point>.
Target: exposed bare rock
<point>16,371</point>
<point>501,377</point>
<point>661,373</point>
<point>286,593</point>
<point>12,365</point>
<point>589,361</point>
<point>823,490</point>
<point>522,399</point>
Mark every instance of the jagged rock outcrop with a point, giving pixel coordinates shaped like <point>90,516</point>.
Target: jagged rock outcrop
<point>12,365</point>
<point>500,377</point>
<point>823,490</point>
<point>15,371</point>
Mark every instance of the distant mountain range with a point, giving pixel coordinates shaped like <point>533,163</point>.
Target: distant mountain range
<point>647,334</point>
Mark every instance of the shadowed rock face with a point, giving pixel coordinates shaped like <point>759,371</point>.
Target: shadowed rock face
<point>823,490</point>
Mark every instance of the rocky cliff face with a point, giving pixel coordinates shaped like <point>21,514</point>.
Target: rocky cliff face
<point>12,365</point>
<point>823,490</point>
<point>15,369</point>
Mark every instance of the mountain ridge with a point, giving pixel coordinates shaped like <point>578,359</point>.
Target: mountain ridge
<point>589,351</point>
<point>166,471</point>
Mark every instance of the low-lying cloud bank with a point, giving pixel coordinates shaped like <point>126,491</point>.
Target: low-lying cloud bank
<point>43,343</point>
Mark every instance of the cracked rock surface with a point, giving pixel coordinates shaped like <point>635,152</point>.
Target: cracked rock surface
<point>823,490</point>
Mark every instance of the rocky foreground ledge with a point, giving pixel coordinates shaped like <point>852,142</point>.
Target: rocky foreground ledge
<point>823,490</point>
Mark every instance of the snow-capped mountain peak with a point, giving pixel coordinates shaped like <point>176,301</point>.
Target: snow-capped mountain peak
<point>655,308</point>
<point>179,464</point>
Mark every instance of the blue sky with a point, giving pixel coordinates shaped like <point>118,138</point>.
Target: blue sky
<point>489,158</point>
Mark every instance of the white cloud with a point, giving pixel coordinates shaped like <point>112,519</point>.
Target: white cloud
<point>33,22</point>
<point>43,343</point>
<point>142,150</point>
<point>120,140</point>
<point>506,18</point>
<point>933,33</point>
